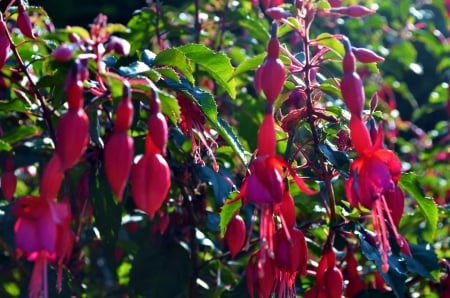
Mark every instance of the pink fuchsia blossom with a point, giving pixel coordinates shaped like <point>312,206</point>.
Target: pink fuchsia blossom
<point>41,234</point>
<point>373,184</point>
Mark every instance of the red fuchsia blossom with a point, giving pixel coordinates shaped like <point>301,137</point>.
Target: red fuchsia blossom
<point>271,75</point>
<point>8,180</point>
<point>261,274</point>
<point>291,256</point>
<point>373,177</point>
<point>38,230</point>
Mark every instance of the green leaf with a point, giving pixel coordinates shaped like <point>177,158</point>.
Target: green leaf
<point>217,64</point>
<point>329,87</point>
<point>403,52</point>
<point>14,106</point>
<point>177,59</point>
<point>331,42</point>
<point>169,106</point>
<point>249,64</point>
<point>4,146</point>
<point>20,133</point>
<point>228,211</point>
<point>227,133</point>
<point>410,183</point>
<point>396,276</point>
<point>137,68</point>
<point>169,73</point>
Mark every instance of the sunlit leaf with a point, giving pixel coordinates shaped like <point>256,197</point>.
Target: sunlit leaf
<point>217,65</point>
<point>410,183</point>
<point>228,211</point>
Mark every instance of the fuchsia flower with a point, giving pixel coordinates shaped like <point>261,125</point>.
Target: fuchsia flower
<point>43,235</point>
<point>373,184</point>
<point>193,124</point>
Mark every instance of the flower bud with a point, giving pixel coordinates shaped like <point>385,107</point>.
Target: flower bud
<point>119,45</point>
<point>352,91</point>
<point>24,23</point>
<point>51,179</point>
<point>157,134</point>
<point>366,55</point>
<point>353,11</point>
<point>118,157</point>
<point>72,137</point>
<point>150,183</point>
<point>8,180</point>
<point>267,142</point>
<point>4,42</point>
<point>64,52</point>
<point>124,111</point>
<point>235,235</point>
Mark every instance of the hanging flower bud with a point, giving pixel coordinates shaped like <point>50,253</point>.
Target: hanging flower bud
<point>267,136</point>
<point>8,180</point>
<point>4,42</point>
<point>24,23</point>
<point>150,183</point>
<point>72,137</point>
<point>118,157</point>
<point>157,134</point>
<point>74,87</point>
<point>277,13</point>
<point>351,86</point>
<point>366,55</point>
<point>64,52</point>
<point>353,11</point>
<point>124,111</point>
<point>119,45</point>
<point>235,235</point>
<point>271,75</point>
<point>51,179</point>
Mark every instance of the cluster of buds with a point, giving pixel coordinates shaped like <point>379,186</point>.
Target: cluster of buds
<point>150,178</point>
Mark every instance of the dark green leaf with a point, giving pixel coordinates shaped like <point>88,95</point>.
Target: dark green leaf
<point>409,182</point>
<point>20,133</point>
<point>423,261</point>
<point>396,276</point>
<point>339,159</point>
<point>161,270</point>
<point>137,68</point>
<point>221,186</point>
<point>228,210</point>
<point>217,65</point>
